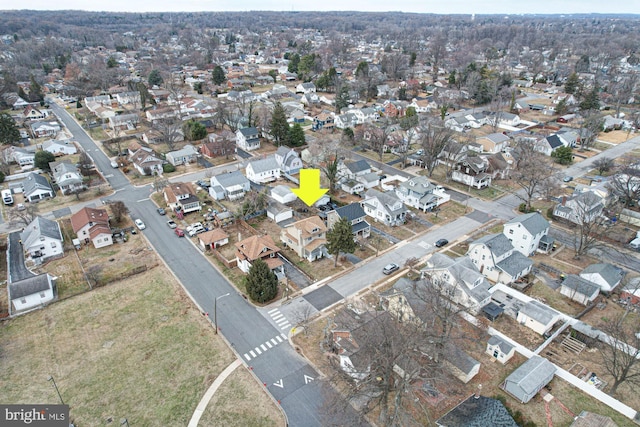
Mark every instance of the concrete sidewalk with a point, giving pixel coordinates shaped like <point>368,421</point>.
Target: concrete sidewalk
<point>195,418</point>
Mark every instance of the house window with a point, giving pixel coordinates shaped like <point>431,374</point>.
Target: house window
<point>53,244</point>
<point>23,300</point>
<point>41,294</point>
<point>511,231</point>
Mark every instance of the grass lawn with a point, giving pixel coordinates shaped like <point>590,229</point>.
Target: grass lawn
<point>554,299</point>
<point>136,349</point>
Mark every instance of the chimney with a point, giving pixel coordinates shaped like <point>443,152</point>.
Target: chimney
<point>477,393</point>
<point>564,200</point>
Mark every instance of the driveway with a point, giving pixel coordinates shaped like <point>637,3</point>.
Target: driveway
<point>17,270</point>
<point>387,236</point>
<point>294,274</point>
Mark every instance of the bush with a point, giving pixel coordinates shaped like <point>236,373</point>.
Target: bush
<point>523,208</point>
<point>168,168</point>
<point>550,213</point>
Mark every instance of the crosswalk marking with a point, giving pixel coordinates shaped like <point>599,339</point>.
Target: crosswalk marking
<point>268,344</point>
<point>274,317</point>
<point>279,319</point>
<point>272,311</point>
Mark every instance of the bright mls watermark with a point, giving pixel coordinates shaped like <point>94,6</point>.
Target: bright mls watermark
<point>34,415</point>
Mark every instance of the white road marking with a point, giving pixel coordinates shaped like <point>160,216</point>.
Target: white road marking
<point>273,341</point>
<point>268,344</point>
<point>252,353</point>
<point>246,356</point>
<point>257,350</point>
<point>272,311</point>
<point>262,346</point>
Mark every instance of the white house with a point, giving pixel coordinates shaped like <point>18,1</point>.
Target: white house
<point>496,258</point>
<point>537,316</point>
<point>278,212</point>
<point>606,276</point>
<point>525,232</point>
<point>59,148</point>
<point>231,186</point>
<point>579,289</point>
<point>283,194</point>
<point>36,187</point>
<point>247,139</point>
<point>263,170</point>
<point>420,193</point>
<point>42,239</point>
<point>499,349</point>
<point>186,154</point>
<point>67,177</point>
<point>145,162</point>
<point>181,197</point>
<point>30,293</point>
<point>92,225</point>
<point>386,207</point>
<point>306,88</point>
<point>288,159</point>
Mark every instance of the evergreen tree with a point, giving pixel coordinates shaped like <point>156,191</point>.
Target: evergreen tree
<point>9,133</point>
<point>591,101</point>
<point>261,283</point>
<point>340,239</point>
<point>155,79</point>
<point>279,125</point>
<point>273,74</point>
<point>294,61</point>
<point>342,99</point>
<point>35,91</point>
<point>42,160</point>
<point>295,137</point>
<point>572,83</point>
<point>218,75</point>
<point>194,131</point>
<point>111,62</point>
<point>562,155</point>
<point>561,108</point>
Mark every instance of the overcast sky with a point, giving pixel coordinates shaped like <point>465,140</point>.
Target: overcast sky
<point>420,6</point>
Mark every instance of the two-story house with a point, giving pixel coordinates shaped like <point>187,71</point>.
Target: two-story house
<point>459,280</point>
<point>526,231</point>
<point>493,143</point>
<point>580,208</point>
<point>259,247</point>
<point>42,239</point>
<point>247,139</point>
<point>355,215</point>
<point>472,171</point>
<point>263,170</point>
<point>385,207</point>
<point>323,121</point>
<point>496,258</point>
<point>181,197</point>
<point>92,225</point>
<point>420,193</point>
<point>145,162</point>
<point>231,186</point>
<point>67,177</point>
<point>288,159</point>
<point>306,237</point>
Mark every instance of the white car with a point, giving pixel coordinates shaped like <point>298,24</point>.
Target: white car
<point>140,224</point>
<point>195,228</point>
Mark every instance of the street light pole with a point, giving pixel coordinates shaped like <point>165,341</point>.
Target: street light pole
<point>56,387</point>
<point>215,310</point>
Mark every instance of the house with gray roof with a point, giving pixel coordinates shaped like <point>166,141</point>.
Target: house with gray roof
<point>385,207</point>
<point>283,194</point>
<point>537,316</point>
<point>525,232</point>
<point>606,276</point>
<point>493,143</point>
<point>263,170</point>
<point>420,193</point>
<point>526,381</point>
<point>355,169</point>
<point>31,293</point>
<point>355,215</point>
<point>459,280</point>
<point>579,289</point>
<point>500,349</point>
<point>472,171</point>
<point>186,154</point>
<point>229,185</point>
<point>289,160</point>
<point>36,187</point>
<point>405,301</point>
<point>67,177</point>
<point>461,365</point>
<point>42,239</point>
<point>580,208</point>
<point>477,411</point>
<point>247,139</point>
<point>496,258</point>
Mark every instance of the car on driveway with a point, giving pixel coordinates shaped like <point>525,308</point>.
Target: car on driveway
<point>195,228</point>
<point>161,211</point>
<point>172,224</point>
<point>390,268</point>
<point>179,232</point>
<point>440,243</point>
<point>140,224</point>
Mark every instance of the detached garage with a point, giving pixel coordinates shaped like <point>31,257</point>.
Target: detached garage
<point>526,381</point>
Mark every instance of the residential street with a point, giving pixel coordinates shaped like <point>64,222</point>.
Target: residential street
<point>254,334</point>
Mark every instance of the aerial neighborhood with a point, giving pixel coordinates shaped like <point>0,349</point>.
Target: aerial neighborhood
<point>470,256</point>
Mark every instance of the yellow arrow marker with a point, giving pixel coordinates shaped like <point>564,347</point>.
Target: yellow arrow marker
<point>309,191</point>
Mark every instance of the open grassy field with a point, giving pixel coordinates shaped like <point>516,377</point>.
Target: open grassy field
<point>136,349</point>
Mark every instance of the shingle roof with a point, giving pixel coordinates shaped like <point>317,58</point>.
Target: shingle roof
<point>610,273</point>
<point>388,199</point>
<point>247,132</point>
<point>496,138</point>
<point>532,373</point>
<point>515,264</point>
<point>233,178</point>
<point>351,211</point>
<point>580,285</point>
<point>538,311</point>
<point>478,411</point>
<point>255,247</point>
<point>40,227</point>
<point>504,346</point>
<point>264,165</point>
<point>497,243</point>
<point>35,182</point>
<point>533,222</point>
<point>29,286</point>
<point>359,166</point>
<point>86,215</point>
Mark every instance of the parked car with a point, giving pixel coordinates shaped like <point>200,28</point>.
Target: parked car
<point>172,224</point>
<point>114,164</point>
<point>440,243</point>
<point>203,184</point>
<point>140,224</point>
<point>195,228</point>
<point>390,268</point>
<point>567,179</point>
<point>161,211</point>
<point>179,232</point>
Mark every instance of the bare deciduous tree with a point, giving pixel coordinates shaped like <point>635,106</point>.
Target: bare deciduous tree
<point>625,184</point>
<point>621,350</point>
<point>118,210</point>
<point>169,129</point>
<point>434,138</point>
<point>532,171</point>
<point>22,218</point>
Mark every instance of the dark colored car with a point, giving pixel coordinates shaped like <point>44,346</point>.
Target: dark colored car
<point>179,232</point>
<point>440,243</point>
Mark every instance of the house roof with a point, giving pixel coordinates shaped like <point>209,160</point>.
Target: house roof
<point>281,190</point>
<point>255,247</point>
<point>538,311</point>
<point>249,132</point>
<point>35,182</point>
<point>212,236</point>
<point>466,275</point>
<point>504,346</point>
<point>264,165</point>
<point>580,285</point>
<point>359,166</point>
<point>478,411</point>
<point>29,286</point>
<point>418,184</point>
<point>275,207</point>
<point>144,158</point>
<point>388,199</point>
<point>531,375</point>
<point>496,138</point>
<point>40,227</point>
<point>351,211</point>
<point>609,273</point>
<point>497,243</point>
<point>514,264</point>
<point>461,360</point>
<point>86,215</point>
<point>174,190</point>
<point>533,222</point>
<point>60,168</point>
<point>554,141</point>
<point>230,179</point>
<point>187,150</point>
